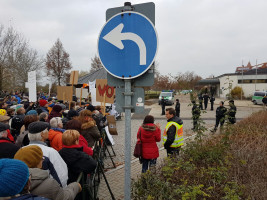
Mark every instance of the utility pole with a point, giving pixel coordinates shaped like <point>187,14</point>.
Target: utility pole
<point>256,76</point>
<point>242,80</point>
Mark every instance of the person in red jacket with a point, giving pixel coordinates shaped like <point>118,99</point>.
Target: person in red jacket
<point>149,133</point>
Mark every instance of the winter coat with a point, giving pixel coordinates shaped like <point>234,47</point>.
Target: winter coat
<point>206,98</point>
<point>264,100</point>
<point>23,139</point>
<point>220,112</point>
<point>150,134</point>
<point>44,186</point>
<point>77,161</point>
<point>55,138</point>
<point>172,131</point>
<point>90,132</point>
<point>84,144</point>
<point>54,157</point>
<point>232,111</point>
<point>195,111</point>
<point>7,148</point>
<point>177,107</point>
<point>16,124</point>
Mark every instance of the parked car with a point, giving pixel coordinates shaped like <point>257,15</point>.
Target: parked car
<point>258,96</point>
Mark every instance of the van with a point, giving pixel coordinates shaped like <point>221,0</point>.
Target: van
<point>258,96</point>
<point>168,96</point>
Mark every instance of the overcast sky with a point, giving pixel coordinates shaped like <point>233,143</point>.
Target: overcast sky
<point>204,36</point>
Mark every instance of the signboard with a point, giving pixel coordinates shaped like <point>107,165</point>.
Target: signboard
<point>127,45</point>
<point>74,77</point>
<point>84,92</point>
<point>31,84</point>
<point>138,100</point>
<point>64,93</point>
<point>104,93</point>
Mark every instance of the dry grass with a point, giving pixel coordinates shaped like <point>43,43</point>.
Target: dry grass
<point>249,151</point>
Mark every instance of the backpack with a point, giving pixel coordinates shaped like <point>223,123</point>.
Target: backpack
<point>16,124</point>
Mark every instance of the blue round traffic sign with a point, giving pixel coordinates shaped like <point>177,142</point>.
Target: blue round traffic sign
<point>127,45</point>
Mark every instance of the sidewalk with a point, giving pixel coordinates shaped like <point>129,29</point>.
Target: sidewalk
<point>115,178</point>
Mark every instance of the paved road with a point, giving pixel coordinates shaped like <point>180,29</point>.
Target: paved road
<point>116,177</point>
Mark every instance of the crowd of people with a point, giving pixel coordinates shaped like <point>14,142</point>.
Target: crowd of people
<point>45,145</point>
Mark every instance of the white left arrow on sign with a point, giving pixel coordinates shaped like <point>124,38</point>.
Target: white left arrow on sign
<point>115,37</point>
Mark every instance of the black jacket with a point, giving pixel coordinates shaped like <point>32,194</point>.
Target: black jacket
<point>220,112</point>
<point>195,110</point>
<point>171,131</point>
<point>206,97</point>
<point>232,110</point>
<point>212,99</point>
<point>7,148</point>
<point>177,107</point>
<point>77,161</point>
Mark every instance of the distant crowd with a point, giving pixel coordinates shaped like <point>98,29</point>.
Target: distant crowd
<point>38,161</point>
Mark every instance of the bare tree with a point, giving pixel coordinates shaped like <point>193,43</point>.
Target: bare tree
<point>9,39</point>
<point>16,59</point>
<point>57,62</point>
<point>95,64</point>
<point>83,73</point>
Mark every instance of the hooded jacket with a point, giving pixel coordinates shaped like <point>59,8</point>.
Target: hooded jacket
<point>44,186</point>
<point>150,134</point>
<point>55,138</point>
<point>172,131</point>
<point>54,157</point>
<point>84,144</point>
<point>77,161</point>
<point>90,132</point>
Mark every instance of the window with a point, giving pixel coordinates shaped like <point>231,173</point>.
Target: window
<point>246,81</point>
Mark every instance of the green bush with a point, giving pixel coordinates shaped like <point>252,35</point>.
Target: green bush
<point>231,165</point>
<point>236,92</point>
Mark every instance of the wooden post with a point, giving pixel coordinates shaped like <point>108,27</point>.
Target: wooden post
<point>104,106</point>
<point>81,96</point>
<point>72,82</point>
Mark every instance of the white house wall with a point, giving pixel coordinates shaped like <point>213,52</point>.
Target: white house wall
<point>224,84</point>
<point>248,88</point>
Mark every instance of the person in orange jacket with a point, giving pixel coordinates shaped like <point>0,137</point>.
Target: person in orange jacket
<point>55,133</point>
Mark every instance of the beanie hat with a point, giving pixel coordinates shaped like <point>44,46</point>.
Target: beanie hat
<point>14,175</point>
<point>18,107</point>
<point>31,155</point>
<point>3,127</point>
<point>32,112</point>
<point>57,108</point>
<point>37,127</point>
<point>2,112</point>
<point>43,102</point>
<point>72,113</point>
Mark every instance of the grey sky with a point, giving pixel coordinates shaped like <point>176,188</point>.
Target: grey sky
<point>204,36</point>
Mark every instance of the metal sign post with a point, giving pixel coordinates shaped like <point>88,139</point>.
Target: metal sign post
<point>127,46</point>
<point>127,172</point>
